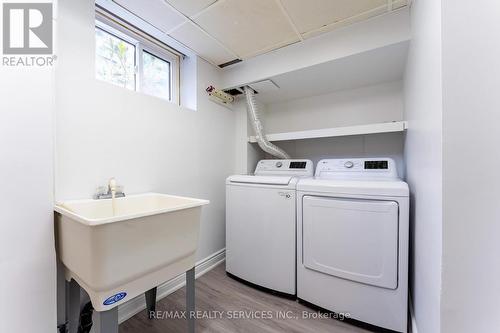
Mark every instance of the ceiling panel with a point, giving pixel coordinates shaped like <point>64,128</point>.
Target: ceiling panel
<point>224,30</point>
<point>155,12</point>
<point>190,7</point>
<point>345,22</point>
<point>264,86</point>
<point>247,27</point>
<point>201,43</point>
<point>313,14</point>
<point>399,3</point>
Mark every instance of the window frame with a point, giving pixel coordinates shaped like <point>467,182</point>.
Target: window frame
<point>143,43</point>
<point>127,40</point>
<point>140,69</point>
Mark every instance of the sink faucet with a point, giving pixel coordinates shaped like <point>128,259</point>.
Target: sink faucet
<point>112,190</point>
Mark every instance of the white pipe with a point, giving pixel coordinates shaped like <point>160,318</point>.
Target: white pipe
<point>253,113</point>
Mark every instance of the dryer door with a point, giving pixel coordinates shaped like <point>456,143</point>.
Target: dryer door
<point>351,239</point>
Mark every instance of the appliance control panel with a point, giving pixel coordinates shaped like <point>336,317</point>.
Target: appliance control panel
<point>301,168</point>
<point>356,168</point>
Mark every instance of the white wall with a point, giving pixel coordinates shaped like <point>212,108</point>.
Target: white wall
<point>372,104</point>
<point>27,253</point>
<point>423,157</point>
<point>148,144</point>
<point>471,228</point>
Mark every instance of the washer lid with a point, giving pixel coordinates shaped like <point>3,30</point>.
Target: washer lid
<point>387,188</point>
<point>268,180</point>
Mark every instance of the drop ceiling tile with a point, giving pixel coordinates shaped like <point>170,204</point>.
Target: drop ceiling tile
<point>201,43</point>
<point>190,7</point>
<point>348,21</point>
<point>247,27</point>
<point>155,12</point>
<point>396,4</point>
<point>313,14</point>
<point>266,86</point>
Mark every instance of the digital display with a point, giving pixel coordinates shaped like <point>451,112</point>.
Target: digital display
<point>376,165</point>
<point>298,165</point>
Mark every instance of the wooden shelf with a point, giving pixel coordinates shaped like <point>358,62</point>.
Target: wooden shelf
<point>395,126</point>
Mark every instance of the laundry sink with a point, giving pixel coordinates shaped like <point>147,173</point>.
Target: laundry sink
<point>119,251</point>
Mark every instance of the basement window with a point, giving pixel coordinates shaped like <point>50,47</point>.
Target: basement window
<point>115,60</point>
<point>129,58</point>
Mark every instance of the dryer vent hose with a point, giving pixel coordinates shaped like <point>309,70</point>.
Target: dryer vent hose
<point>253,113</point>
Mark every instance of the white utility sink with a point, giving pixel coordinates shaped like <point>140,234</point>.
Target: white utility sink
<point>116,256</point>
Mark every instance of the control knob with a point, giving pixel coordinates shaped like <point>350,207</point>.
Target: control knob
<point>348,164</point>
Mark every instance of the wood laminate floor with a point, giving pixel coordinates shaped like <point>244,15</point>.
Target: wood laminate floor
<point>223,299</point>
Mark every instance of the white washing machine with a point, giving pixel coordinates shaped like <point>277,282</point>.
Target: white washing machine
<point>352,240</point>
<point>261,224</point>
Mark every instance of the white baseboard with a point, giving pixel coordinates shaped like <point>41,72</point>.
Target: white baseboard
<point>134,306</point>
<point>413,327</point>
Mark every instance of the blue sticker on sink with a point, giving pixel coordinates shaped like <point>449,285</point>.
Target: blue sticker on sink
<point>115,298</point>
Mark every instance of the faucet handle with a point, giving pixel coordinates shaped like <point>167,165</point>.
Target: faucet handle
<point>104,192</point>
<point>112,184</point>
<point>100,191</point>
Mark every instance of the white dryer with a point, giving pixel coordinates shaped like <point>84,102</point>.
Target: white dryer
<point>352,240</point>
<point>261,224</point>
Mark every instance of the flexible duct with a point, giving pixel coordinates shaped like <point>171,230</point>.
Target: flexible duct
<point>253,113</point>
